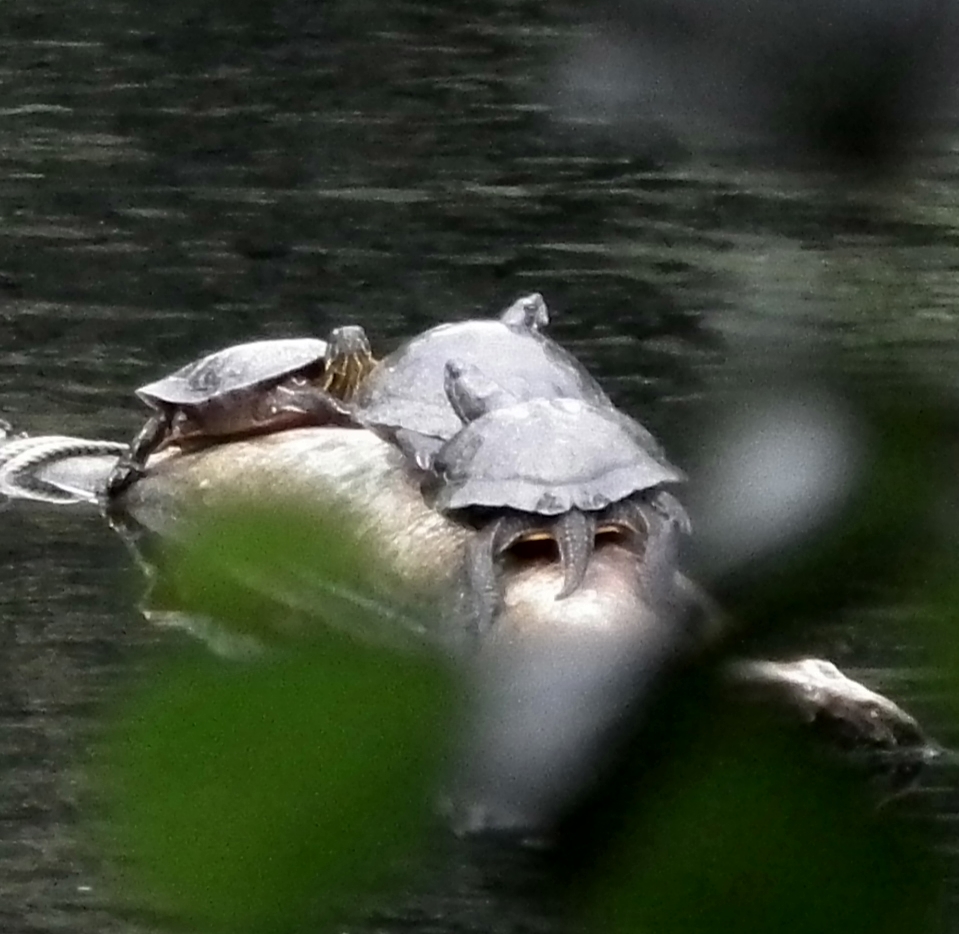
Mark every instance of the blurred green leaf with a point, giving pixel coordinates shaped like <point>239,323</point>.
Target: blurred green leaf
<point>267,571</point>
<point>933,619</point>
<point>883,538</point>
<point>747,829</point>
<point>269,797</point>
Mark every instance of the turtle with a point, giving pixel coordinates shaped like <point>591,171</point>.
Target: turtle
<point>249,388</point>
<point>546,467</point>
<point>404,399</point>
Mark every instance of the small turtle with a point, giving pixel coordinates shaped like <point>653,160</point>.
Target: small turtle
<point>404,397</point>
<point>256,387</point>
<point>547,467</point>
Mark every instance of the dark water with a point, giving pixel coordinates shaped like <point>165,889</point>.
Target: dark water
<point>179,176</point>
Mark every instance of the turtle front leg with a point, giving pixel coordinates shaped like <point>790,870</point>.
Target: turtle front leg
<point>574,533</point>
<point>481,555</point>
<point>129,467</point>
<point>657,531</point>
<point>656,527</point>
<point>481,578</point>
<point>303,398</point>
<point>667,505</point>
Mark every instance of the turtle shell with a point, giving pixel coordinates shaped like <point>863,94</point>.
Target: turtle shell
<point>235,368</point>
<point>406,389</point>
<point>548,456</point>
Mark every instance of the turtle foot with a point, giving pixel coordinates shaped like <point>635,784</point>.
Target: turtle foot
<point>575,534</point>
<point>123,475</point>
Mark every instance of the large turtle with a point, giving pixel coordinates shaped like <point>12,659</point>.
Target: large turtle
<point>558,468</point>
<point>404,397</point>
<point>249,388</point>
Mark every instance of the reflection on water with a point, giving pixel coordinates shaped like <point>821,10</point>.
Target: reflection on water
<point>68,630</point>
<point>180,176</point>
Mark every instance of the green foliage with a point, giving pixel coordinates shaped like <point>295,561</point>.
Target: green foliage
<point>747,828</point>
<point>269,797</point>
<point>267,571</point>
<point>725,819</point>
<point>880,539</point>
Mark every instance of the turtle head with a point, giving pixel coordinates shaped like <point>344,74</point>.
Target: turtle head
<point>529,312</point>
<point>470,393</point>
<point>348,361</point>
<point>348,339</point>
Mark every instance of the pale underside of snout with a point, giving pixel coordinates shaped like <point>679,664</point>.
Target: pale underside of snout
<point>308,469</point>
<point>617,599</point>
<point>353,470</point>
<point>554,679</point>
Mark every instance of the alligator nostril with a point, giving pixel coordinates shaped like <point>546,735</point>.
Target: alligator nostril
<point>534,547</point>
<point>621,534</point>
<point>540,546</point>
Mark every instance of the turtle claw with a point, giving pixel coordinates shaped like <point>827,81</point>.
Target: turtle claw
<point>126,472</point>
<point>575,534</point>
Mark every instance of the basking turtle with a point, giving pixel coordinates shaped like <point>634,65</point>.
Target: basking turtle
<point>404,397</point>
<point>546,468</point>
<point>257,387</point>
